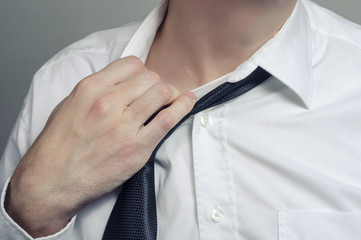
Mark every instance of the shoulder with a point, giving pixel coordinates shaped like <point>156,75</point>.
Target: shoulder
<point>58,76</point>
<point>109,43</point>
<point>333,27</point>
<point>83,58</point>
<point>336,59</point>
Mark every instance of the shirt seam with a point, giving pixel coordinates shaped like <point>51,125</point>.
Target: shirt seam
<point>69,52</point>
<point>8,220</point>
<point>336,38</point>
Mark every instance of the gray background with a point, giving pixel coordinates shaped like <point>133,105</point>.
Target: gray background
<point>33,31</point>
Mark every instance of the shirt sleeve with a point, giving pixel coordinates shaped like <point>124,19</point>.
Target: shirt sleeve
<point>10,230</point>
<point>19,142</point>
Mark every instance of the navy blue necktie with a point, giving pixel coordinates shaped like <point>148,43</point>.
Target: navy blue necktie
<point>134,216</point>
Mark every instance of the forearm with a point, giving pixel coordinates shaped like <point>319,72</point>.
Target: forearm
<point>11,230</point>
<point>93,141</point>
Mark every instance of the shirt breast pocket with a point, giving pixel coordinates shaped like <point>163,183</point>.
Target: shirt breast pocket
<point>319,225</point>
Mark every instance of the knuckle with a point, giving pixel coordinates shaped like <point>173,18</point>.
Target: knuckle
<point>148,78</point>
<point>163,91</point>
<point>129,148</point>
<point>187,104</point>
<point>85,84</point>
<point>133,154</point>
<point>102,105</point>
<point>166,120</point>
<point>150,75</point>
<point>135,63</point>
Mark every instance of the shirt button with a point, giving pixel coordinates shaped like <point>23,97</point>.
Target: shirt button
<point>205,120</point>
<point>217,215</point>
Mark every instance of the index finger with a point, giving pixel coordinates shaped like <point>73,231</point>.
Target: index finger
<point>166,119</point>
<point>120,70</point>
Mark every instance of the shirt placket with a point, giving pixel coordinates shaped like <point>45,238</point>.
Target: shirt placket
<point>215,207</point>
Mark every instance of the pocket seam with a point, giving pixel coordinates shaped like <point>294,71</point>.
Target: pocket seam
<point>287,228</point>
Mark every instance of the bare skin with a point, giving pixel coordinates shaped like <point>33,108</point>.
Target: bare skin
<point>209,39</point>
<point>93,142</point>
<point>95,138</point>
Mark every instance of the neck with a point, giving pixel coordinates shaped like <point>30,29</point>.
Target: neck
<point>211,38</point>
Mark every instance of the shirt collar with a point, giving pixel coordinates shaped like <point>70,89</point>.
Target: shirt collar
<point>141,42</point>
<point>287,56</point>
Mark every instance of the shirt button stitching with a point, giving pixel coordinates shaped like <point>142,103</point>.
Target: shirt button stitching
<point>217,215</point>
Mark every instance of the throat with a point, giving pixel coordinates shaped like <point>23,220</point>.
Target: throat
<point>180,65</point>
<point>200,41</point>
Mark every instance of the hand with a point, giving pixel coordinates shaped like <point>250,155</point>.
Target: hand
<point>94,140</point>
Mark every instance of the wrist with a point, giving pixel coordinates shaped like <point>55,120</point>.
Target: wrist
<point>35,216</point>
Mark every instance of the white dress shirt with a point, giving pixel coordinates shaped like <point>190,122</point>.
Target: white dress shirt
<point>282,161</point>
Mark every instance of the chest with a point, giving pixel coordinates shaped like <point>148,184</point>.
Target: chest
<point>231,169</point>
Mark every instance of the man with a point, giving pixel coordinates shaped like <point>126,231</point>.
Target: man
<point>279,162</point>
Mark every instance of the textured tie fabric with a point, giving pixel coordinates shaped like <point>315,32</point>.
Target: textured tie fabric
<point>134,216</point>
